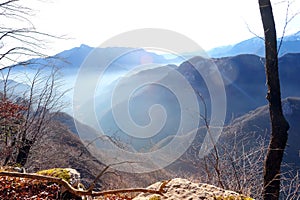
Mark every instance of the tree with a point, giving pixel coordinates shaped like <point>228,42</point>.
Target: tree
<point>279,125</point>
<point>30,112</point>
<point>19,40</point>
<point>11,119</point>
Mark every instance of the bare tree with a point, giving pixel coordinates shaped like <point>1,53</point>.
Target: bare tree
<point>42,100</point>
<point>279,125</point>
<point>19,39</point>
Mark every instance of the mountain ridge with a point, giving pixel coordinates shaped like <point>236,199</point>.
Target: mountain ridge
<point>255,45</point>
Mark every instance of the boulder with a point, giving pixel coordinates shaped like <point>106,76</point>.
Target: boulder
<point>72,176</point>
<point>179,188</point>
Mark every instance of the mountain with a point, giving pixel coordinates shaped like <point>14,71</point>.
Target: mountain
<point>257,123</point>
<point>243,75</point>
<point>247,133</point>
<point>72,124</point>
<point>244,79</point>
<point>290,44</point>
<point>245,87</point>
<point>238,157</point>
<point>69,61</point>
<point>60,147</point>
<point>13,87</point>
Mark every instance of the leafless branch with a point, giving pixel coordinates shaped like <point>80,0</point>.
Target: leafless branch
<point>287,21</point>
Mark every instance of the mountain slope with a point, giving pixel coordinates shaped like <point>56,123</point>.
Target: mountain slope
<point>244,78</point>
<point>60,147</point>
<point>257,123</point>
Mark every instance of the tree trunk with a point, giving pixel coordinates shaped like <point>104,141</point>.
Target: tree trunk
<point>10,151</point>
<point>279,125</point>
<point>24,153</point>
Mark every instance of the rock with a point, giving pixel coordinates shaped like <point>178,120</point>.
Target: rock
<point>72,176</point>
<point>179,188</point>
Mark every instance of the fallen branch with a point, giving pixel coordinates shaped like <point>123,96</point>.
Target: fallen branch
<point>75,191</point>
<point>91,187</point>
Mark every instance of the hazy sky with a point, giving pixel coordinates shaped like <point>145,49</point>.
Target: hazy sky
<point>210,23</point>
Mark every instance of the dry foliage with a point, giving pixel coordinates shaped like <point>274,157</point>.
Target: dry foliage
<point>26,186</point>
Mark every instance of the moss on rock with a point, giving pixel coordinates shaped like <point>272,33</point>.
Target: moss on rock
<point>72,176</point>
<point>57,172</point>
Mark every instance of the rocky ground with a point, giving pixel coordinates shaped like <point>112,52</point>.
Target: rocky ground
<point>175,189</point>
<point>179,188</point>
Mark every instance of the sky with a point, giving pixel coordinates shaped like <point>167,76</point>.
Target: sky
<point>210,23</point>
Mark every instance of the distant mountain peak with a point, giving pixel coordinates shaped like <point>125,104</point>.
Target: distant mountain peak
<point>255,45</point>
<point>85,46</point>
